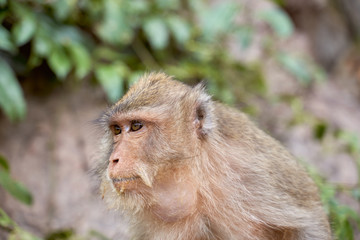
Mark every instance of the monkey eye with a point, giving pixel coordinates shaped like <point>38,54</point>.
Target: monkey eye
<point>116,129</point>
<point>135,126</point>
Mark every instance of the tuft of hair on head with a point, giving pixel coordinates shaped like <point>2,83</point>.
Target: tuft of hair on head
<point>155,77</point>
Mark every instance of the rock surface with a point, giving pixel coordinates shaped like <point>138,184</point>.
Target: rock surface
<point>51,152</point>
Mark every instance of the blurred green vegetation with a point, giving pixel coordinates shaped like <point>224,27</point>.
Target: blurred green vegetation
<point>114,41</point>
<point>344,220</point>
<point>19,192</point>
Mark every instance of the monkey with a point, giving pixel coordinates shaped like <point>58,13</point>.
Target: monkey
<point>184,166</point>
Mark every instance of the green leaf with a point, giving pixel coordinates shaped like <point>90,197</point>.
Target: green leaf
<point>3,15</point>
<point>4,164</point>
<point>5,220</point>
<point>62,234</point>
<point>97,235</point>
<point>59,62</point>
<point>218,19</point>
<point>45,37</point>
<point>195,5</point>
<point>318,73</point>
<point>111,78</point>
<point>3,3</point>
<point>356,193</point>
<point>180,29</point>
<point>279,2</point>
<point>11,96</point>
<point>156,32</point>
<point>244,35</point>
<point>168,4</point>
<point>62,8</point>
<point>327,192</point>
<point>320,130</point>
<point>346,231</point>
<point>16,233</point>
<point>227,96</point>
<point>296,66</point>
<point>24,30</point>
<point>64,35</point>
<point>115,28</point>
<point>135,76</point>
<point>42,45</point>
<point>279,21</point>
<point>81,59</point>
<point>107,54</point>
<point>16,189</point>
<point>137,6</point>
<point>5,41</point>
<point>34,61</point>
<point>22,235</point>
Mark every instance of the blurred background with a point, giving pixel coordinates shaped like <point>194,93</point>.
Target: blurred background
<point>293,66</point>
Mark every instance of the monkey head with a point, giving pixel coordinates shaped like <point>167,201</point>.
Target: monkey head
<point>148,157</point>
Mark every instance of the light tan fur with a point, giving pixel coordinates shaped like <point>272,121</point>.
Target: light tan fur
<point>204,170</point>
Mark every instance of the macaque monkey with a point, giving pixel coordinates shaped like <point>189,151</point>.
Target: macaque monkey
<point>185,167</point>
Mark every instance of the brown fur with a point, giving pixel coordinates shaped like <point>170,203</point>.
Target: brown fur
<point>204,170</point>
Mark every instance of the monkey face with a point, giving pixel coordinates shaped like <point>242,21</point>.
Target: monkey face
<point>126,167</point>
<point>141,166</point>
<point>149,161</point>
<point>143,141</point>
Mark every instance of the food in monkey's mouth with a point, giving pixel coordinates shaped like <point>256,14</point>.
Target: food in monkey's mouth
<point>125,183</point>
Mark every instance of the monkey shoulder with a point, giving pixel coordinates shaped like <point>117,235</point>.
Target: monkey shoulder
<point>252,145</point>
<point>231,123</point>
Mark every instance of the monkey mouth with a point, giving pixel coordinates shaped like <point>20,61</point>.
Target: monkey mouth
<point>125,179</point>
<point>126,184</point>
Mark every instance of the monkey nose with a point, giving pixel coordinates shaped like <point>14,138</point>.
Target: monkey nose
<point>115,161</point>
<point>112,167</point>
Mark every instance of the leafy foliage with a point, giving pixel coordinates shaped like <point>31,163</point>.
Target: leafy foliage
<point>11,98</point>
<point>345,221</point>
<point>21,193</point>
<point>115,40</point>
<point>15,232</point>
<point>15,188</point>
<point>300,68</point>
<point>279,21</point>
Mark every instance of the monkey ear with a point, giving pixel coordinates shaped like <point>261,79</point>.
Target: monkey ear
<point>204,121</point>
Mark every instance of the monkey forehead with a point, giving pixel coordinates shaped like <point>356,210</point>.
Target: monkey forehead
<point>152,90</point>
<point>153,95</point>
<point>150,114</point>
